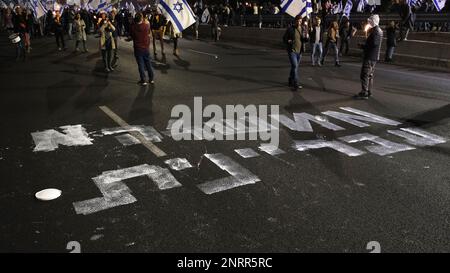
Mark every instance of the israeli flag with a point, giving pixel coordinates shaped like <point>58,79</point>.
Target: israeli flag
<point>348,8</point>
<point>306,8</point>
<point>99,4</point>
<point>439,4</point>
<point>37,8</point>
<point>205,16</point>
<point>291,7</point>
<point>337,8</point>
<point>361,5</point>
<point>132,9</point>
<point>178,12</point>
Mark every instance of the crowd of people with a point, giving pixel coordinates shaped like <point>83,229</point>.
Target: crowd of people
<point>149,24</point>
<point>77,25</point>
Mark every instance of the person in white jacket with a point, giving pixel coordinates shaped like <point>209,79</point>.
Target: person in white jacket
<point>80,30</point>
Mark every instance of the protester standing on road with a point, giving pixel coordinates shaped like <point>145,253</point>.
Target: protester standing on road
<point>158,27</point>
<point>391,42</point>
<point>372,48</point>
<point>332,40</point>
<point>107,43</point>
<point>293,40</point>
<point>346,33</point>
<point>408,16</point>
<point>140,34</point>
<point>59,31</point>
<point>113,20</point>
<point>316,42</point>
<point>80,32</point>
<point>174,36</point>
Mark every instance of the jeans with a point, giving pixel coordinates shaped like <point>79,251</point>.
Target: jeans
<point>143,61</point>
<point>367,74</point>
<point>294,59</point>
<point>106,55</point>
<point>316,48</point>
<point>390,52</point>
<point>335,48</point>
<point>69,31</point>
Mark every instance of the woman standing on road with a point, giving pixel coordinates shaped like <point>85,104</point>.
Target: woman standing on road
<point>80,32</point>
<point>107,44</point>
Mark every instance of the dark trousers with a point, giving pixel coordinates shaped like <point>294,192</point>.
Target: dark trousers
<point>77,43</point>
<point>143,61</point>
<point>106,55</point>
<point>344,46</point>
<point>367,74</point>
<point>60,39</point>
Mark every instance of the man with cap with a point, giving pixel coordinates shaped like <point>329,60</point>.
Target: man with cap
<point>372,48</point>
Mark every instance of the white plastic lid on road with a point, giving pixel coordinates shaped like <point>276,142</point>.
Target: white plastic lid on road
<point>48,194</point>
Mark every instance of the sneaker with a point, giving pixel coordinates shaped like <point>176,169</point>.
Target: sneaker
<point>297,87</point>
<point>111,69</point>
<point>77,49</point>
<point>152,81</point>
<point>59,49</point>
<point>337,65</point>
<point>319,64</point>
<point>107,70</point>
<point>143,83</point>
<point>313,64</point>
<point>361,96</point>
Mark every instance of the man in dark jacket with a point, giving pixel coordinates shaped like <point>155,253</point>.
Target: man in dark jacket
<point>391,42</point>
<point>371,49</point>
<point>408,16</point>
<point>293,39</point>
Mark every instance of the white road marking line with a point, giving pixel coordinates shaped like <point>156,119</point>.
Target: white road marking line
<point>148,144</point>
<point>209,54</point>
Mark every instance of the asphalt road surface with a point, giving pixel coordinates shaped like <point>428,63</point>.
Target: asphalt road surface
<point>335,199</point>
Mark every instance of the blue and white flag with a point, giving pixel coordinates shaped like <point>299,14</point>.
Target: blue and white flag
<point>306,8</point>
<point>337,8</point>
<point>178,12</point>
<point>348,8</point>
<point>361,5</point>
<point>38,8</point>
<point>296,7</point>
<point>205,16</point>
<point>99,4</point>
<point>291,7</point>
<point>3,5</point>
<point>439,4</point>
<point>132,9</point>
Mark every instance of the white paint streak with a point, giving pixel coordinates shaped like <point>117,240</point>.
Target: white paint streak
<point>148,132</point>
<point>116,193</point>
<point>319,144</point>
<point>127,139</point>
<point>302,122</point>
<point>239,175</point>
<point>418,137</point>
<point>246,153</point>
<point>384,147</point>
<point>49,140</point>
<point>178,164</point>
<point>270,149</point>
